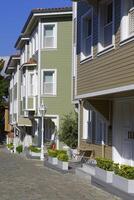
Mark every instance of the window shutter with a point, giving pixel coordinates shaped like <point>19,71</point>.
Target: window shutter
<point>85,123</point>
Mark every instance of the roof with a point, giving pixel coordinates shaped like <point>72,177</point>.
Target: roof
<point>31,62</point>
<point>45,10</point>
<point>12,59</point>
<point>38,12</point>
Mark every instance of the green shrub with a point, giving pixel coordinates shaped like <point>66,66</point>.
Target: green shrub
<point>105,164</point>
<point>63,157</point>
<point>52,153</point>
<point>124,171</point>
<point>61,151</point>
<point>19,148</point>
<point>10,146</point>
<point>68,132</point>
<point>34,149</point>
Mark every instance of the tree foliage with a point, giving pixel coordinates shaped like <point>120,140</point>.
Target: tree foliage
<point>69,130</point>
<point>3,86</point>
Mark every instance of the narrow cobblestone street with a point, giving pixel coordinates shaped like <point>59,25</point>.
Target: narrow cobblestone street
<point>22,179</point>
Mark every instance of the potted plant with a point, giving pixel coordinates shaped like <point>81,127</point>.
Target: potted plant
<point>19,149</point>
<point>63,161</point>
<point>34,151</point>
<point>10,147</point>
<point>104,170</point>
<point>52,157</point>
<point>123,178</point>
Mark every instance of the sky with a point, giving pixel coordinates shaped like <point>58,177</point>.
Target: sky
<point>13,15</point>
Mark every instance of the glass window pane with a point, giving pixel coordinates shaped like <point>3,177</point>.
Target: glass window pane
<point>48,77</point>
<point>48,30</point>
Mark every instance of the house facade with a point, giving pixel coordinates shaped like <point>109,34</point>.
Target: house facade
<point>20,126</point>
<point>103,77</point>
<point>45,46</point>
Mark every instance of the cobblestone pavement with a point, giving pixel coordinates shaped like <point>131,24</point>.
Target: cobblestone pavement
<point>22,179</point>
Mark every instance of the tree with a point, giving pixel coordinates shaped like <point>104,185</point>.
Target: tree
<point>3,86</point>
<point>69,130</point>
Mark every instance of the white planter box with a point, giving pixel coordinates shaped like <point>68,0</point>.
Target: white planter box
<point>11,150</point>
<point>52,160</point>
<point>33,154</point>
<point>63,165</point>
<point>123,184</point>
<point>104,175</point>
<point>89,169</point>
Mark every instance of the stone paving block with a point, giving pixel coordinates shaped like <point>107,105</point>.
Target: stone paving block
<point>23,179</point>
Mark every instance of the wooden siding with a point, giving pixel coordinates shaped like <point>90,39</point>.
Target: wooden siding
<point>110,70</point>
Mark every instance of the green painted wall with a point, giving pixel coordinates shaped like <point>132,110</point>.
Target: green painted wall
<point>60,59</point>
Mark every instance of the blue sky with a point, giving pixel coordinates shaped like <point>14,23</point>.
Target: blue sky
<point>13,14</point>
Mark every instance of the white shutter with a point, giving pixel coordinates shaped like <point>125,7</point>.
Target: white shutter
<point>85,123</point>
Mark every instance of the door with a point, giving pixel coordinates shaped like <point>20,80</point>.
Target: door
<point>124,132</point>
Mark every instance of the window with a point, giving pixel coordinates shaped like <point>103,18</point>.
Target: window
<point>74,31</point>
<point>49,36</point>
<point>94,126</point>
<point>86,35</point>
<point>49,82</point>
<point>31,84</point>
<point>127,23</point>
<point>105,24</point>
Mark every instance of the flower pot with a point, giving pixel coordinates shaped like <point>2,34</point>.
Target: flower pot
<point>63,165</point>
<point>52,160</point>
<point>123,184</point>
<point>34,154</point>
<point>103,175</point>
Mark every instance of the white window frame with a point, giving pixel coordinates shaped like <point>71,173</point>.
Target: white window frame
<point>125,24</point>
<point>100,48</point>
<point>29,85</point>
<point>88,14</point>
<point>55,35</point>
<point>55,82</point>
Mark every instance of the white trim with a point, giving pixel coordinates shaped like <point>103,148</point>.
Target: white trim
<point>74,53</point>
<point>54,13</point>
<point>86,15</point>
<point>39,67</point>
<point>54,81</point>
<point>55,30</point>
<point>108,91</point>
<point>79,119</point>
